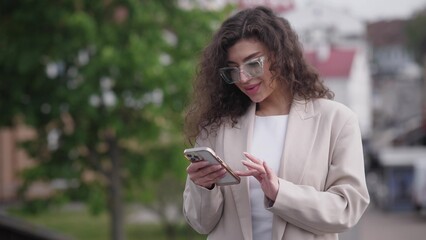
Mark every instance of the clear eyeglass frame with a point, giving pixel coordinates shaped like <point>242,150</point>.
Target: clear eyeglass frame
<point>251,69</point>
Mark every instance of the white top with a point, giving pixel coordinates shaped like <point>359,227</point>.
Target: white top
<point>267,145</point>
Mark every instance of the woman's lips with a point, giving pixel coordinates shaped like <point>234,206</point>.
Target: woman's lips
<point>251,89</point>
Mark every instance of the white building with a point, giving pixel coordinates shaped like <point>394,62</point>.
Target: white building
<point>335,45</point>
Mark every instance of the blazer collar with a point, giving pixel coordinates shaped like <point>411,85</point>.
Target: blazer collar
<point>303,108</point>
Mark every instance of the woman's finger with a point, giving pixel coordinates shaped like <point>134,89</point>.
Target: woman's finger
<point>196,166</point>
<point>210,178</point>
<point>206,171</point>
<point>252,165</point>
<point>246,173</point>
<point>253,158</point>
<point>268,171</point>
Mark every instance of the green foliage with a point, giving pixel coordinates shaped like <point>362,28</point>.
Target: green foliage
<point>97,200</point>
<point>416,35</point>
<point>79,224</point>
<point>102,83</point>
<point>38,206</point>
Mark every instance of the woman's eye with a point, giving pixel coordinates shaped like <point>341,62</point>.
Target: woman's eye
<point>251,63</point>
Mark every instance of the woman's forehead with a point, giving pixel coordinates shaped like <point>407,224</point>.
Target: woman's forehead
<point>244,50</point>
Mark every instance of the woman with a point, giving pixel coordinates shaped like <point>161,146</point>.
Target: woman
<point>260,107</point>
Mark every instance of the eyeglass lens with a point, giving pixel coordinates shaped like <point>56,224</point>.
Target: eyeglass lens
<point>250,70</point>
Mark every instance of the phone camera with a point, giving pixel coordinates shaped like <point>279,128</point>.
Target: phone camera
<point>193,158</point>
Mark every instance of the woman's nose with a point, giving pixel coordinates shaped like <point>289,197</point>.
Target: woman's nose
<point>244,77</point>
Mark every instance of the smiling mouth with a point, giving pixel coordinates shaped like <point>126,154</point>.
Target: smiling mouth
<point>252,89</point>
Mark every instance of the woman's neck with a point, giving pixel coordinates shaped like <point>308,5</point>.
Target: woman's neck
<point>273,106</point>
<point>271,111</point>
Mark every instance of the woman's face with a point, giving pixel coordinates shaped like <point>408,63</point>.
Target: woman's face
<point>257,88</point>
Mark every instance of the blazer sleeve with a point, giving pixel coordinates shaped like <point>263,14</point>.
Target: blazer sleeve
<point>345,197</point>
<point>202,207</point>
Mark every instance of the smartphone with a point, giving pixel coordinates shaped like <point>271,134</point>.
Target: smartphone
<point>205,153</point>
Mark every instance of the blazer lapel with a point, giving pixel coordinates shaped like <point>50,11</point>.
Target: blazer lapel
<point>299,140</point>
<point>238,140</point>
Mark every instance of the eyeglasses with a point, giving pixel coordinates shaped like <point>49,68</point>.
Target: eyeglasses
<point>251,69</point>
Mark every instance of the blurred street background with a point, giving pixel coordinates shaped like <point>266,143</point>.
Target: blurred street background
<point>93,94</point>
<point>383,225</point>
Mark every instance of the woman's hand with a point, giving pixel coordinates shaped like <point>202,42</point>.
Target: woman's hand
<point>205,174</point>
<point>267,178</point>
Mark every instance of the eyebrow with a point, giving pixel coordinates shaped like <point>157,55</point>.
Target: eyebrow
<point>249,57</point>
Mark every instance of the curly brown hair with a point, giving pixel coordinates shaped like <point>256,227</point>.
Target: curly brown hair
<point>215,102</point>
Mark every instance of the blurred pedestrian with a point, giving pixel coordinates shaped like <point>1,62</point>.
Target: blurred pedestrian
<point>265,112</point>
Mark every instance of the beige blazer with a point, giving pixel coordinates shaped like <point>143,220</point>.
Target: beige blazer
<point>322,189</point>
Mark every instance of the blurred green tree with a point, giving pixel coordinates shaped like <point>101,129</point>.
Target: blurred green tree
<point>104,83</point>
<point>416,35</point>
<point>416,40</point>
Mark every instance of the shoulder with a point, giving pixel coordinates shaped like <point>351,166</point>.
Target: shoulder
<point>340,120</point>
<point>332,109</point>
<point>332,114</point>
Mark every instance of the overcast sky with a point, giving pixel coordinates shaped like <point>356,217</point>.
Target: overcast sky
<point>374,9</point>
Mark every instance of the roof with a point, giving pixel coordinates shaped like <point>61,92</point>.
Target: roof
<point>337,63</point>
<point>387,32</point>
